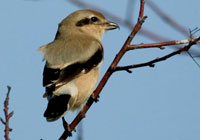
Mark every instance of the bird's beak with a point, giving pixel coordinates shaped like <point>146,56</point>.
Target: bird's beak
<point>111,25</point>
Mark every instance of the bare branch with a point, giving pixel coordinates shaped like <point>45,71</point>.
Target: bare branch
<point>3,121</point>
<point>198,65</point>
<point>152,62</point>
<point>160,45</point>
<point>7,115</point>
<point>173,24</point>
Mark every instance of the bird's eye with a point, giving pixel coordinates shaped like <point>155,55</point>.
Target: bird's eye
<point>94,19</point>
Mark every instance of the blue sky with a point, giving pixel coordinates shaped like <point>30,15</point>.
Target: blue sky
<point>151,103</point>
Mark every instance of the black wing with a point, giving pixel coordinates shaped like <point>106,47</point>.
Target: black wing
<point>53,76</point>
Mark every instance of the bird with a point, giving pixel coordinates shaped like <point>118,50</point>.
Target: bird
<point>72,61</point>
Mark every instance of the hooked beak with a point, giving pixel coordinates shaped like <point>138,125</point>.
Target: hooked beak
<point>111,25</point>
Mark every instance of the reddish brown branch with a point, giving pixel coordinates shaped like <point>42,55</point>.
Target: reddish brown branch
<point>7,115</point>
<point>174,24</point>
<point>160,45</point>
<point>107,75</point>
<point>152,62</point>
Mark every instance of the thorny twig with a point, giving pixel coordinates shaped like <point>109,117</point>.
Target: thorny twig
<point>7,115</point>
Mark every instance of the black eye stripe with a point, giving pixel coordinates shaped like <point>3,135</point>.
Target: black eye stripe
<point>83,22</point>
<point>86,21</point>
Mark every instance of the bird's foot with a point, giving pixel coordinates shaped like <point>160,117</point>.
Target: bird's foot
<point>66,127</point>
<point>95,99</point>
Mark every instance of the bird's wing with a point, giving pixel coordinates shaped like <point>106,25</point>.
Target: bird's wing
<point>70,62</point>
<point>63,52</point>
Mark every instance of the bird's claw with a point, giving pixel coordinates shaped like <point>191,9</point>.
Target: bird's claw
<point>95,99</point>
<point>66,127</point>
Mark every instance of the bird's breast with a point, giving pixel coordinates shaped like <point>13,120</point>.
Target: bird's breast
<point>85,84</point>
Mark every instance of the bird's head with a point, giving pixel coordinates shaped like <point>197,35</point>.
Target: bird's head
<point>89,22</point>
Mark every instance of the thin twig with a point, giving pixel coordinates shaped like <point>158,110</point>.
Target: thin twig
<point>173,24</point>
<point>152,62</point>
<point>7,115</point>
<point>160,45</point>
<point>198,65</point>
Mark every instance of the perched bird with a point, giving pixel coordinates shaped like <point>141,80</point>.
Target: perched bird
<point>73,61</point>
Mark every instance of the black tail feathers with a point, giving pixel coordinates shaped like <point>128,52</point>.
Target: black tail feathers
<point>57,106</point>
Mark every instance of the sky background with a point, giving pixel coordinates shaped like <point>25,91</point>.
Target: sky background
<point>160,103</point>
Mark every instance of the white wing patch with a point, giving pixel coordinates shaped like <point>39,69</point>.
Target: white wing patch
<point>69,88</point>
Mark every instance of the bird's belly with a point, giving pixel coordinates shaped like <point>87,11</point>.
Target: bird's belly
<point>85,85</point>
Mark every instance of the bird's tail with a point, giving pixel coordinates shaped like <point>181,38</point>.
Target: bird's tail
<point>57,106</point>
